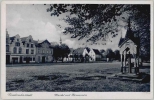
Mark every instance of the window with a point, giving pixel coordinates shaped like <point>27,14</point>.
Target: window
<point>47,51</point>
<point>14,50</point>
<point>17,44</point>
<point>33,59</point>
<point>7,40</point>
<point>30,58</point>
<point>27,45</point>
<point>43,51</point>
<point>7,48</point>
<point>32,45</point>
<point>32,51</point>
<point>20,50</point>
<point>30,40</point>
<point>25,59</point>
<point>27,51</point>
<point>17,39</point>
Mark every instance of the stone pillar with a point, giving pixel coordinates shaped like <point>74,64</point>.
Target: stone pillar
<point>121,63</point>
<point>138,65</point>
<point>10,59</point>
<point>19,59</point>
<point>129,63</point>
<point>125,61</point>
<point>135,64</point>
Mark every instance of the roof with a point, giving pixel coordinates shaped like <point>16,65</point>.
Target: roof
<point>96,51</point>
<point>88,49</point>
<point>121,41</point>
<point>53,44</point>
<point>38,43</point>
<point>12,38</point>
<point>24,39</point>
<point>129,35</point>
<point>78,51</point>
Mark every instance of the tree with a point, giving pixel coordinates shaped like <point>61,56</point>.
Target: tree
<point>64,51</point>
<point>101,21</point>
<point>56,54</point>
<point>102,52</point>
<point>109,54</point>
<point>117,54</point>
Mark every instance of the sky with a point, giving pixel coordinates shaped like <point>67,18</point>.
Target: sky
<point>34,20</point>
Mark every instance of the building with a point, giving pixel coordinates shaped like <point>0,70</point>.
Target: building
<point>8,53</point>
<point>20,50</point>
<point>16,49</point>
<point>44,51</point>
<point>80,51</point>
<point>29,49</point>
<point>94,54</point>
<point>129,50</point>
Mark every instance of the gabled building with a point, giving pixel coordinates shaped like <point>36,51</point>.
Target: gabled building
<point>16,49</point>
<point>129,51</point>
<point>29,49</point>
<point>94,54</point>
<point>44,51</point>
<point>80,51</point>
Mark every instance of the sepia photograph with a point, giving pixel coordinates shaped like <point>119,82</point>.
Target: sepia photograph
<point>69,49</point>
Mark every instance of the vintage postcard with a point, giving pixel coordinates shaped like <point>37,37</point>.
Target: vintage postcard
<point>77,49</point>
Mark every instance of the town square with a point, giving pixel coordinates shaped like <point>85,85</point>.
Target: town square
<point>78,48</point>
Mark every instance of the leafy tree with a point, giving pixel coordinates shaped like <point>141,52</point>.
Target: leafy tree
<point>101,21</point>
<point>109,53</point>
<point>117,54</point>
<point>102,51</point>
<point>56,50</point>
<point>60,51</point>
<point>64,51</point>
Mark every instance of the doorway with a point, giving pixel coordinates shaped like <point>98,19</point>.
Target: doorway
<point>15,60</point>
<point>20,59</point>
<point>43,59</point>
<point>7,59</point>
<point>27,59</point>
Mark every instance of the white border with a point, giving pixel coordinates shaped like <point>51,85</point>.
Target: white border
<point>51,95</point>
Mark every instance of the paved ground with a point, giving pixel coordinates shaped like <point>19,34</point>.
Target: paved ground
<point>70,77</point>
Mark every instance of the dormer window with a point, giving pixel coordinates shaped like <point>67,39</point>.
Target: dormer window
<point>30,40</point>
